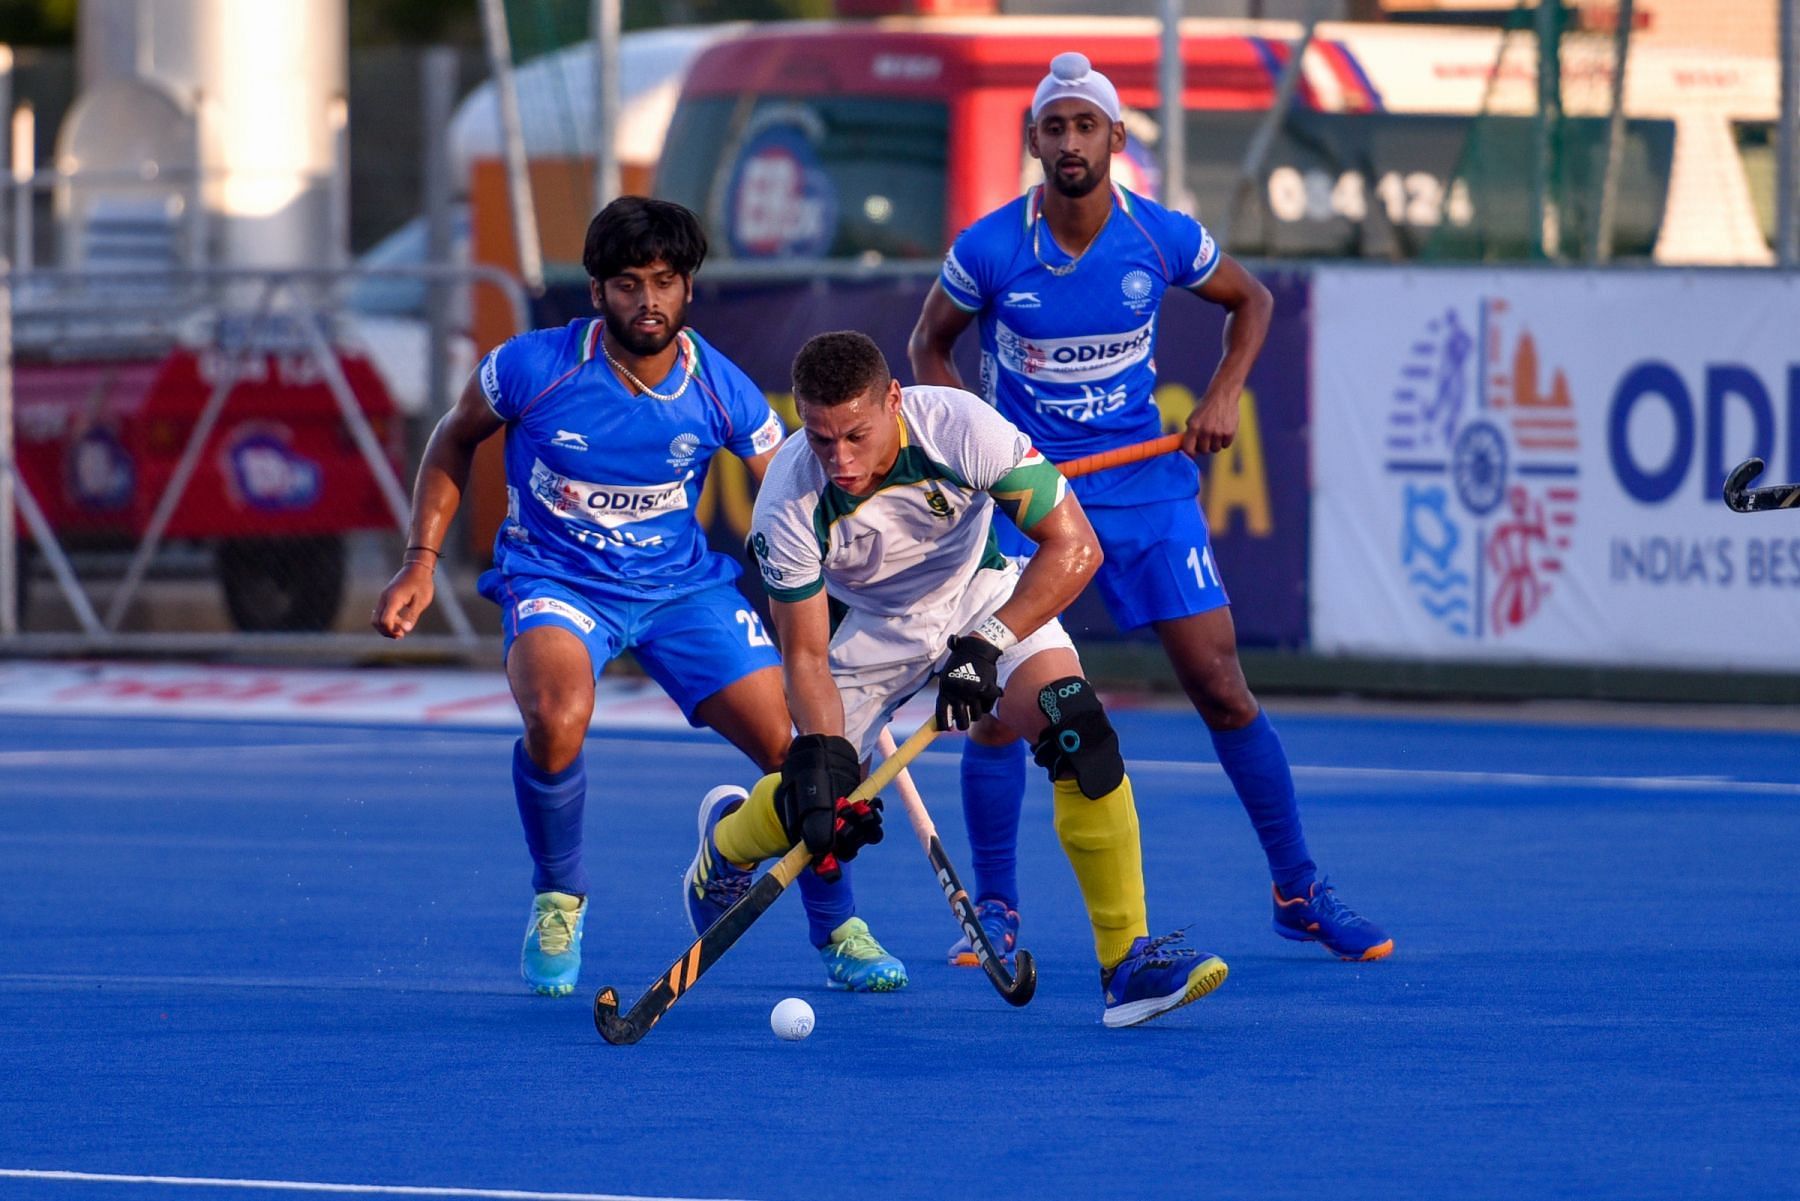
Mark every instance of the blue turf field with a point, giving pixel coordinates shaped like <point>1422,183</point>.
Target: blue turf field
<point>289,953</point>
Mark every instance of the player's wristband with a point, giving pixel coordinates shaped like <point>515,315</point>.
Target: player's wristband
<point>994,631</point>
<point>408,559</point>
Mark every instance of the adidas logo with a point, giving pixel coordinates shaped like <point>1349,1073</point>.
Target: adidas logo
<point>965,673</point>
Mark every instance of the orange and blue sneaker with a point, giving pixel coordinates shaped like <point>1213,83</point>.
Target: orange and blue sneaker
<point>1157,975</point>
<point>713,883</point>
<point>550,960</point>
<point>1318,916</point>
<point>1000,922</point>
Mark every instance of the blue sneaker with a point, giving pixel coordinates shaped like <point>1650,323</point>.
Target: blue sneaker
<point>1320,917</point>
<point>1157,975</point>
<point>855,962</point>
<point>551,958</point>
<point>712,883</point>
<point>1001,924</point>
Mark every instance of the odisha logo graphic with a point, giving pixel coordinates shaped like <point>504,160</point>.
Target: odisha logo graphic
<point>1484,454</point>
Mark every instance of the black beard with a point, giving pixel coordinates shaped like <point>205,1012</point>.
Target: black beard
<point>640,344</point>
<point>1076,188</point>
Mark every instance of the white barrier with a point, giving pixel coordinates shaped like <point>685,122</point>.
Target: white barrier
<point>1525,465</point>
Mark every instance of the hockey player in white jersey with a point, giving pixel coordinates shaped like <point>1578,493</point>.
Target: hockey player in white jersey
<point>881,511</point>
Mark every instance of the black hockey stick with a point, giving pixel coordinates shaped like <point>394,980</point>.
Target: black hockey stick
<point>1744,499</point>
<point>1018,985</point>
<point>692,963</point>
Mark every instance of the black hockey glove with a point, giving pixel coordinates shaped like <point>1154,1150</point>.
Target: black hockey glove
<point>970,685</point>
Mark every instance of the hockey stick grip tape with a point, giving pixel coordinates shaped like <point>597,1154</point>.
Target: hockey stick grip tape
<point>1137,452</point>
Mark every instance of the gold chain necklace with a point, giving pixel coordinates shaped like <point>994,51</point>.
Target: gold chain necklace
<point>1069,266</point>
<point>687,360</point>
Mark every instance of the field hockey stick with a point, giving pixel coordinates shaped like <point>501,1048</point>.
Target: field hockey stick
<point>705,951</point>
<point>1137,452</point>
<point>1018,985</point>
<point>1744,499</point>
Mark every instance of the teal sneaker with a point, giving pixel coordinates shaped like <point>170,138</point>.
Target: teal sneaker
<point>551,958</point>
<point>855,962</point>
<point>1157,975</point>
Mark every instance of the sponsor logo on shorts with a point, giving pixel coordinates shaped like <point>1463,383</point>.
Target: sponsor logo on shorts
<point>1072,360</point>
<point>538,605</point>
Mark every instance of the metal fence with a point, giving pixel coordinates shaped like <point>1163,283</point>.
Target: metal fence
<point>212,459</point>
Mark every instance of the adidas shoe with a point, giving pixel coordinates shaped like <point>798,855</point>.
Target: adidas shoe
<point>855,962</point>
<point>1157,975</point>
<point>712,883</point>
<point>551,958</point>
<point>1001,924</point>
<point>1320,917</point>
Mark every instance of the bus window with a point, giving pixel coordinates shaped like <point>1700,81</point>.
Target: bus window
<point>782,177</point>
<point>1414,185</point>
<point>1756,146</point>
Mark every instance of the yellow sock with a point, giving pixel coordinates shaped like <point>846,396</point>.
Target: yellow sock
<point>1101,840</point>
<point>753,830</point>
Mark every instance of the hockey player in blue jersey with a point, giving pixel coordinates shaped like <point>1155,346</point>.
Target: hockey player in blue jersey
<point>1064,284</point>
<point>610,427</point>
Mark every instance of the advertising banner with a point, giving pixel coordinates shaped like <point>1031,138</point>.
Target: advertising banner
<point>1254,494</point>
<point>1526,465</point>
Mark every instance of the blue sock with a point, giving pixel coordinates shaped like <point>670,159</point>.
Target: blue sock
<point>1252,757</point>
<point>550,808</point>
<point>993,792</point>
<point>828,906</point>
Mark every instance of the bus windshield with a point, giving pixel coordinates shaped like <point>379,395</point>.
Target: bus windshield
<point>780,177</point>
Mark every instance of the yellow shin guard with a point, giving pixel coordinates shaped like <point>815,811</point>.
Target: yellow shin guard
<point>1101,840</point>
<point>753,830</point>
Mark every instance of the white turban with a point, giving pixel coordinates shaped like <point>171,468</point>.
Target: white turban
<point>1072,77</point>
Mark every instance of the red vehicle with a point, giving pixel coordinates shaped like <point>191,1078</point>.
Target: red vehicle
<point>838,138</point>
<point>278,483</point>
<point>884,139</point>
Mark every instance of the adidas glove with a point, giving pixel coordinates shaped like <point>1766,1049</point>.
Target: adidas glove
<point>970,685</point>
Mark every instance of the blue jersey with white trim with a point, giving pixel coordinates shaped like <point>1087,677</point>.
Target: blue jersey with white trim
<point>602,484</point>
<point>1070,359</point>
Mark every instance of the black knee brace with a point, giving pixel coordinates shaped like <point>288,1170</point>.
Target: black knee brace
<point>1079,740</point>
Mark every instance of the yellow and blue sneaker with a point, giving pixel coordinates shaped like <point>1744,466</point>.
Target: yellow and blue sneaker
<point>855,962</point>
<point>1000,922</point>
<point>1157,975</point>
<point>551,959</point>
<point>712,883</point>
<point>1318,916</point>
